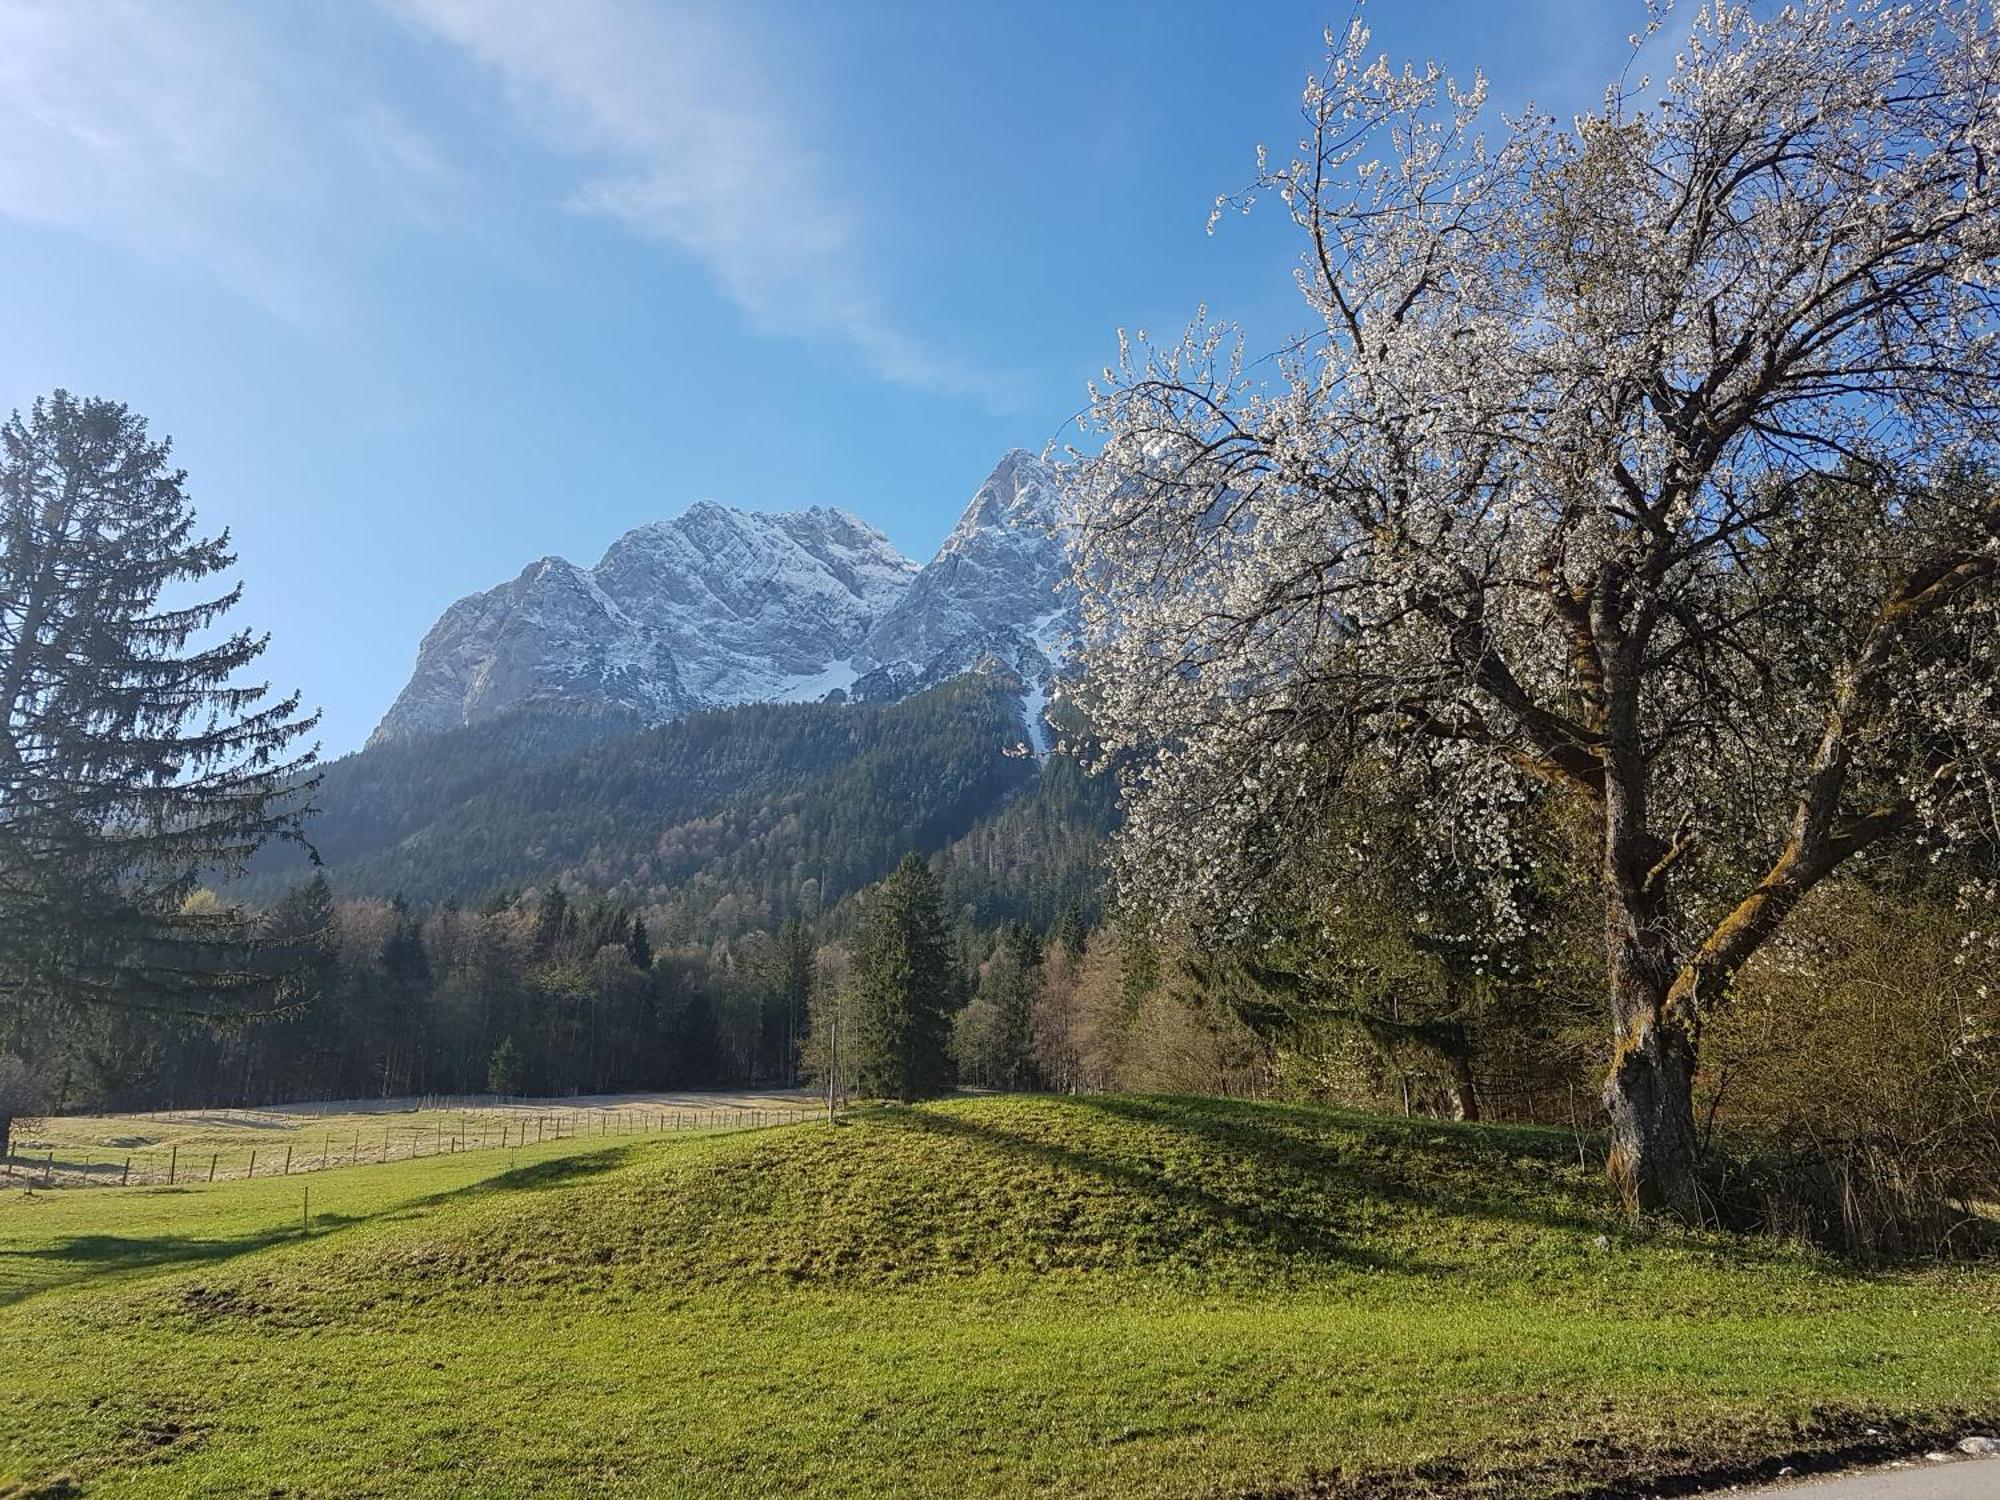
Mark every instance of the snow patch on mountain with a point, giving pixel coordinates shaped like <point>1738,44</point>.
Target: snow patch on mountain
<point>1050,633</point>
<point>837,678</point>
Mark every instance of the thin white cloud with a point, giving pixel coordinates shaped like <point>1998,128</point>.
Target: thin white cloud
<point>196,135</point>
<point>264,147</point>
<point>695,143</point>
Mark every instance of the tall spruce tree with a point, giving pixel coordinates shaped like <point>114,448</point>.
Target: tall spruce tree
<point>902,984</point>
<point>301,929</point>
<point>638,946</point>
<point>792,972</point>
<point>406,991</point>
<point>503,1069</point>
<point>1067,932</point>
<point>1009,986</point>
<point>132,760</point>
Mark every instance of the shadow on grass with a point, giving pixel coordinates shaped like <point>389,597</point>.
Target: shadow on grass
<point>85,1257</point>
<point>1449,1168</point>
<point>538,1176</point>
<point>231,1122</point>
<point>93,1255</point>
<point>1283,1178</point>
<point>1452,1169</point>
<point>1263,1223</point>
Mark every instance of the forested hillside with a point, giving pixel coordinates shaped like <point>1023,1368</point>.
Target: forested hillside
<point>720,824</point>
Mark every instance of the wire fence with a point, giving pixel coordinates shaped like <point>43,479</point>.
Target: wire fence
<point>315,1150</point>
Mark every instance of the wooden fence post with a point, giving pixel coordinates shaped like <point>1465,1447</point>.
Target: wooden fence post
<point>288,1161</point>
<point>126,1176</point>
<point>211,1165</point>
<point>173,1162</point>
<point>252,1172</point>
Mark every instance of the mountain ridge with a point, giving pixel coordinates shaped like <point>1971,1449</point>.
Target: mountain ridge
<point>721,606</point>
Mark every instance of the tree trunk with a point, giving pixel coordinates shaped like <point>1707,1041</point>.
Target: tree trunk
<point>1649,1089</point>
<point>1649,1094</point>
<point>1464,1095</point>
<point>6,1134</point>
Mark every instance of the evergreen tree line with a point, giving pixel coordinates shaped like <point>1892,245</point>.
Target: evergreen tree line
<point>539,995</point>
<point>545,994</point>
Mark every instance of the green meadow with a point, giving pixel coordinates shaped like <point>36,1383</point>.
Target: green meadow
<point>993,1296</point>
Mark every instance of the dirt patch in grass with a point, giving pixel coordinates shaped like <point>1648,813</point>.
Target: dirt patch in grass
<point>1826,1442</point>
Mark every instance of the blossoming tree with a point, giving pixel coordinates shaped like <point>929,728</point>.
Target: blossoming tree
<point>1646,457</point>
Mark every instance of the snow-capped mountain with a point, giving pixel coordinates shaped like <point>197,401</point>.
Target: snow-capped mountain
<point>988,596</point>
<point>722,606</point>
<point>715,607</point>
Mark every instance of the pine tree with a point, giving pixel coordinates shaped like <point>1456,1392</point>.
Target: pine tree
<point>1010,983</point>
<point>793,968</point>
<point>1068,931</point>
<point>503,1069</point>
<point>639,947</point>
<point>132,763</point>
<point>406,993</point>
<point>301,935</point>
<point>300,929</point>
<point>902,987</point>
<point>601,923</point>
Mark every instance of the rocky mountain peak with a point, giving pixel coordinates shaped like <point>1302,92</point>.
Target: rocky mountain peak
<point>991,591</point>
<point>721,606</point>
<point>1019,495</point>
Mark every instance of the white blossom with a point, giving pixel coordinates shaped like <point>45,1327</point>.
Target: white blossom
<point>1650,457</point>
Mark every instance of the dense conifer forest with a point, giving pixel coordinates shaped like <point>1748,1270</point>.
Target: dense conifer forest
<point>719,825</point>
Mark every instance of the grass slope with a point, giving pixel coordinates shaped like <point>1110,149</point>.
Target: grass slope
<point>992,1296</point>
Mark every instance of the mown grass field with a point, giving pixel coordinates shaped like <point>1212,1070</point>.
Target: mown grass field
<point>1002,1296</point>
<point>188,1145</point>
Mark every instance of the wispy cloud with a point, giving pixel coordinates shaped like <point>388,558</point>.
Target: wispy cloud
<point>195,135</point>
<point>687,138</point>
<point>272,150</point>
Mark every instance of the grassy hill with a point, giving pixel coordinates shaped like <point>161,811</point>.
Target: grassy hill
<point>989,1296</point>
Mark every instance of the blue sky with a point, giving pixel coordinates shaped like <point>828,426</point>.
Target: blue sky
<point>425,289</point>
